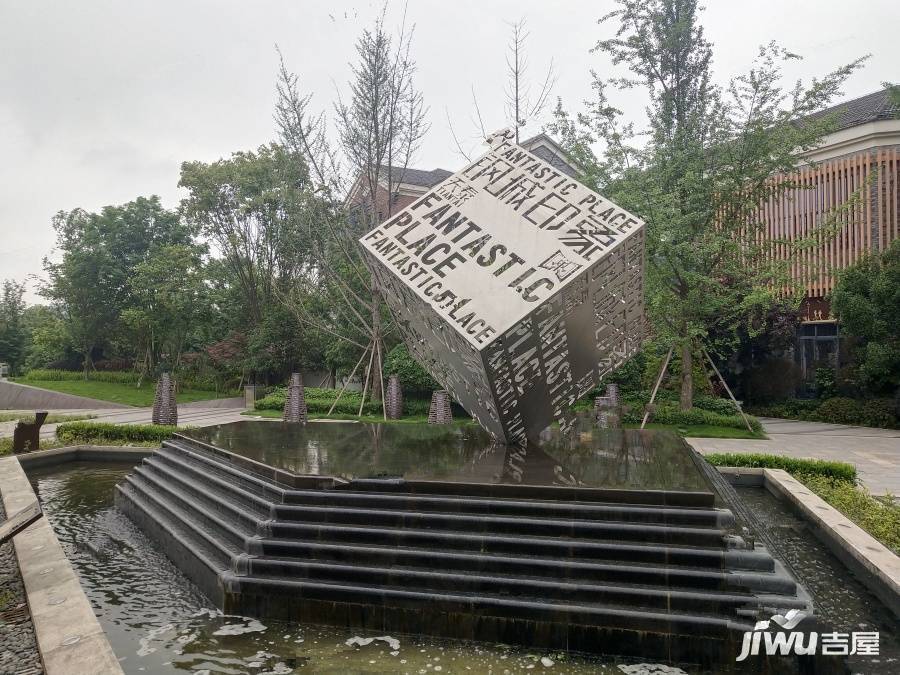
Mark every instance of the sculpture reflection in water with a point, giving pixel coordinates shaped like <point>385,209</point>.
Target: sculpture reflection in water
<point>587,456</point>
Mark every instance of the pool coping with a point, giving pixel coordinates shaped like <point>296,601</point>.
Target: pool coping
<point>69,637</point>
<point>875,565</point>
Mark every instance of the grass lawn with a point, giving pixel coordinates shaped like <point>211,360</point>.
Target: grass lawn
<point>703,431</point>
<point>415,419</point>
<point>127,394</point>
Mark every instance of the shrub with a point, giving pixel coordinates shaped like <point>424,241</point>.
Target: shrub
<point>870,413</point>
<point>671,414</point>
<point>49,375</point>
<point>318,402</point>
<point>414,379</point>
<point>797,409</point>
<point>873,412</point>
<point>104,432</point>
<point>793,465</point>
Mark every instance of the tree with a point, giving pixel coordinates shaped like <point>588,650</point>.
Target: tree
<point>168,289</point>
<point>866,301</point>
<point>525,100</point>
<point>380,126</point>
<point>90,284</point>
<point>249,207</point>
<point>47,337</point>
<point>701,168</point>
<point>12,331</point>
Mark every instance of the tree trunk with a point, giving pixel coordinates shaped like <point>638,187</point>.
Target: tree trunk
<point>687,378</point>
<point>375,376</point>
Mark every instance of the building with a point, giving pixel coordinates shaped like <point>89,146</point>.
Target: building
<point>863,152</point>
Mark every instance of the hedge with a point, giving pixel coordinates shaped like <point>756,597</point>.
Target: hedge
<point>52,375</point>
<point>318,402</point>
<point>104,432</point>
<point>793,465</point>
<point>113,377</point>
<point>874,412</point>
<point>671,414</point>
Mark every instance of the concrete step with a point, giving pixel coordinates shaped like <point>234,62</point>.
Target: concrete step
<point>547,527</point>
<point>275,596</point>
<point>666,515</point>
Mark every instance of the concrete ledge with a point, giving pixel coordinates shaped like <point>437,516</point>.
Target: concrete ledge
<point>876,566</point>
<point>69,637</point>
<point>83,453</point>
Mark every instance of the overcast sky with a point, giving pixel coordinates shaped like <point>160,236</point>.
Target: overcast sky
<point>101,101</point>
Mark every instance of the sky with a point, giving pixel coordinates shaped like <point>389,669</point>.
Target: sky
<point>102,100</point>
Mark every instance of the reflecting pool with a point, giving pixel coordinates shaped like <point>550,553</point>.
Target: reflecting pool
<point>627,458</point>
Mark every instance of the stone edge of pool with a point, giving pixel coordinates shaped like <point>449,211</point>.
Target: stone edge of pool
<point>873,563</point>
<point>69,636</point>
<point>876,566</point>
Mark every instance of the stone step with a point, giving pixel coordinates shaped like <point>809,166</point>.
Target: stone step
<point>698,517</point>
<point>197,555</point>
<point>462,542</point>
<point>519,491</point>
<point>210,484</point>
<point>521,580</point>
<point>493,525</point>
<point>232,521</point>
<point>519,562</point>
<point>276,597</point>
<point>213,465</point>
<point>200,524</point>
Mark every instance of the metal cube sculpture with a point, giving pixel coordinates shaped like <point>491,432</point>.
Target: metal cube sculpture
<point>515,286</point>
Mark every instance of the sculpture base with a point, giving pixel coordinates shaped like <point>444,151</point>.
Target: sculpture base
<point>614,543</point>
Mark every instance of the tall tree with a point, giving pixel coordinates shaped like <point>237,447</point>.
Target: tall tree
<point>169,300</point>
<point>700,168</point>
<point>12,330</point>
<point>256,209</point>
<point>99,252</point>
<point>379,126</point>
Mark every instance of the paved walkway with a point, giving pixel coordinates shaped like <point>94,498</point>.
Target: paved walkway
<point>191,414</point>
<point>874,452</point>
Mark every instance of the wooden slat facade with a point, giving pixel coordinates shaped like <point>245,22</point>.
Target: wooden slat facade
<point>870,226</point>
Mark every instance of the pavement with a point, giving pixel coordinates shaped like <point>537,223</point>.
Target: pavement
<point>874,452</point>
<point>198,414</point>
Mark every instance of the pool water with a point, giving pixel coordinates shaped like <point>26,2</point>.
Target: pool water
<point>158,622</point>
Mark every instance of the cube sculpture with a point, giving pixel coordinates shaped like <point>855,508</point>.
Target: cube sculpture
<point>515,286</point>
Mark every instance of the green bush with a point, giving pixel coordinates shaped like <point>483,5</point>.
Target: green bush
<point>413,378</point>
<point>115,376</point>
<point>794,409</point>
<point>104,432</point>
<point>793,465</point>
<point>870,413</point>
<point>318,402</point>
<point>671,414</point>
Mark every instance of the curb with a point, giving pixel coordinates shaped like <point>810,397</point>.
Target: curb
<point>69,636</point>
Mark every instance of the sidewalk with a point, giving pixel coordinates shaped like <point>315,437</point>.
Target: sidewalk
<point>190,414</point>
<point>874,452</point>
